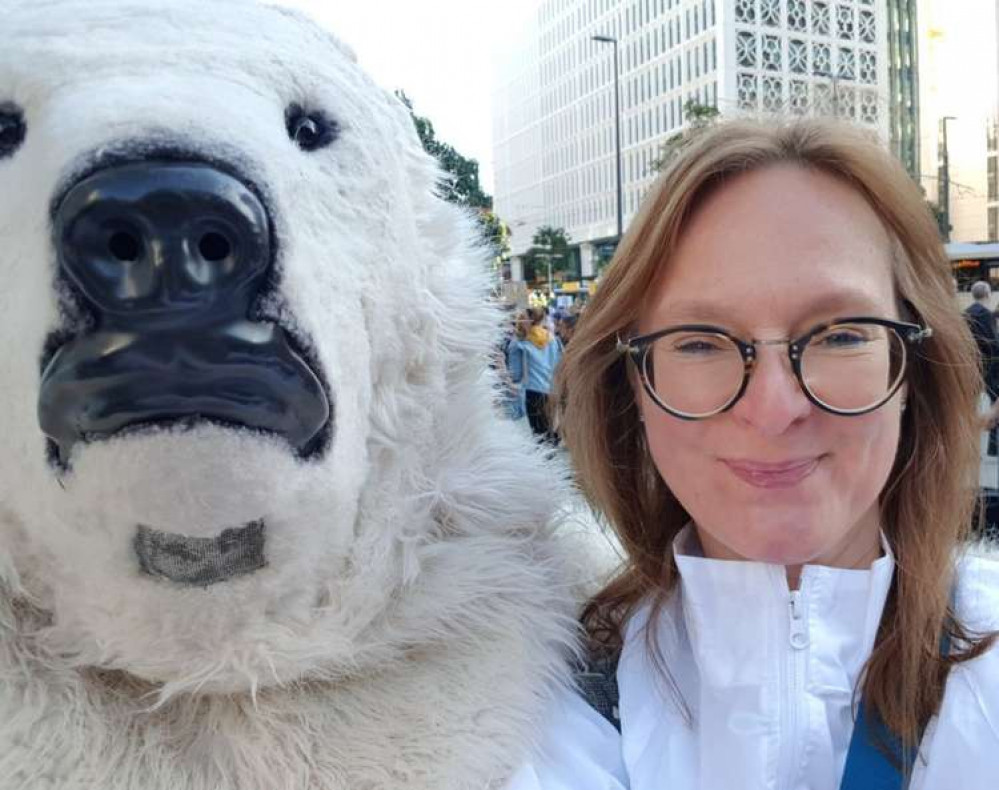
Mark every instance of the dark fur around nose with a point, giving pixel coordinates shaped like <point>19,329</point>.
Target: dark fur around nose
<point>168,257</point>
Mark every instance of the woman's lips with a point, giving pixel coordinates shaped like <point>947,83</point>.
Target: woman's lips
<point>783,474</point>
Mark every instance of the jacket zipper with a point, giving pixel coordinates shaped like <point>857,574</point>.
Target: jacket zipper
<point>798,641</point>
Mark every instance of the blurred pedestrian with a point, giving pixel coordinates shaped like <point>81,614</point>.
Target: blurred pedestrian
<point>511,395</point>
<point>981,322</point>
<point>566,326</point>
<point>532,360</point>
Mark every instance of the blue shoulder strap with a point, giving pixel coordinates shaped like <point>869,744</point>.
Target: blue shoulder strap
<point>868,765</point>
<point>876,759</point>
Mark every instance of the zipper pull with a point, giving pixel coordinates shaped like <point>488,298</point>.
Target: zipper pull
<point>799,628</point>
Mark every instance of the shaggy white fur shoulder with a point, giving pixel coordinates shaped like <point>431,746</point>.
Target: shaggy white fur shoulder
<point>261,525</point>
<point>745,722</point>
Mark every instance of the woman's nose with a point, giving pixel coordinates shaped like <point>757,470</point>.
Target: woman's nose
<point>773,400</point>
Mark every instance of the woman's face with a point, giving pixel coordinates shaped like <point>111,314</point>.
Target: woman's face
<point>776,479</point>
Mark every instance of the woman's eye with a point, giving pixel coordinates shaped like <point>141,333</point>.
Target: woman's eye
<point>12,129</point>
<point>310,131</point>
<point>841,339</point>
<point>695,346</point>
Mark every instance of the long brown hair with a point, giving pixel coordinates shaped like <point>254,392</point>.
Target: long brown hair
<point>928,500</point>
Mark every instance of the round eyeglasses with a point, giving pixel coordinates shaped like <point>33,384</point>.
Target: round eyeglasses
<point>849,367</point>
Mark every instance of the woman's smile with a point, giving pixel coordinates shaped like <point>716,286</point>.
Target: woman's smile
<point>770,474</point>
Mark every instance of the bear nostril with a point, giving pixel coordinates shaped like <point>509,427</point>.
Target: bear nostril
<point>214,247</point>
<point>124,246</point>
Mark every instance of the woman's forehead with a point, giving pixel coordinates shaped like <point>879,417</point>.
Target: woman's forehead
<point>777,242</point>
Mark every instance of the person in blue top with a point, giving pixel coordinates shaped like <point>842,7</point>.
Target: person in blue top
<point>771,399</point>
<point>531,361</point>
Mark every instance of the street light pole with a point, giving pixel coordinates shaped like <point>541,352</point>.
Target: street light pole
<point>617,134</point>
<point>943,184</point>
<point>551,281</point>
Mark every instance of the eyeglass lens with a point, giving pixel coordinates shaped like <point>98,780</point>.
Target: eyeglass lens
<point>846,367</point>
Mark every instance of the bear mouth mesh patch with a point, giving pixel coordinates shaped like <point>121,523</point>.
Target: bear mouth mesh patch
<point>200,562</point>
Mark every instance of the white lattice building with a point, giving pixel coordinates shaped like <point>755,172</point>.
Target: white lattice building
<point>554,109</point>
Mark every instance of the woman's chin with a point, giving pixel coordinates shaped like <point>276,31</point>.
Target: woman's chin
<point>784,542</point>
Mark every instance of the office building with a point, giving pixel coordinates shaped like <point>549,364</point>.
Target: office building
<point>554,143</point>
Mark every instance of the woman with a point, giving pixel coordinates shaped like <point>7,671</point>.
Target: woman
<point>532,360</point>
<point>772,399</point>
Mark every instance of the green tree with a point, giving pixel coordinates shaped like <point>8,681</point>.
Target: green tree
<point>698,117</point>
<point>462,185</point>
<point>496,232</point>
<point>550,243</point>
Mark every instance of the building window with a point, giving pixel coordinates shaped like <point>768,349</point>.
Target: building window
<point>799,96</point>
<point>847,64</point>
<point>745,10</point>
<point>993,183</point>
<point>773,94</point>
<point>869,107</point>
<point>745,49</point>
<point>821,59</point>
<point>823,98</point>
<point>771,53</point>
<point>993,223</point>
<point>797,56</point>
<point>867,27</point>
<point>868,66</point>
<point>748,90</point>
<point>796,17</point>
<point>846,102</point>
<point>770,13</point>
<point>820,18</point>
<point>844,21</point>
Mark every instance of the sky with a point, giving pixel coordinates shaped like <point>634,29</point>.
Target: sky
<point>440,52</point>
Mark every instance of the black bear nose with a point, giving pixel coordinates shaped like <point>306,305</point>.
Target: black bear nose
<point>170,259</point>
<point>161,244</point>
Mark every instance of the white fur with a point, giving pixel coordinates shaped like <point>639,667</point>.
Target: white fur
<point>415,609</point>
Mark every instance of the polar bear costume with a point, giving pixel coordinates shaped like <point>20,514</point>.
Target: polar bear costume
<point>373,599</point>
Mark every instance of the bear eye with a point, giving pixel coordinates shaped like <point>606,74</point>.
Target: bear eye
<point>12,129</point>
<point>310,131</point>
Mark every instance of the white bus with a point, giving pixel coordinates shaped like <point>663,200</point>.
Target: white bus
<point>973,262</point>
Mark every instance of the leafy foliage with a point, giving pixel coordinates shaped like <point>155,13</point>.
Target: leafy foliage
<point>550,242</point>
<point>699,117</point>
<point>462,186</point>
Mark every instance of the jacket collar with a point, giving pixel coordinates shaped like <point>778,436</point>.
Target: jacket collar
<point>733,611</point>
<point>724,637</point>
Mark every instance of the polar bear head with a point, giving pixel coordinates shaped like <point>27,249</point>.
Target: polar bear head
<point>248,435</point>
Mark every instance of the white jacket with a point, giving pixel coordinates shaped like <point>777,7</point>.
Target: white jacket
<point>768,678</point>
